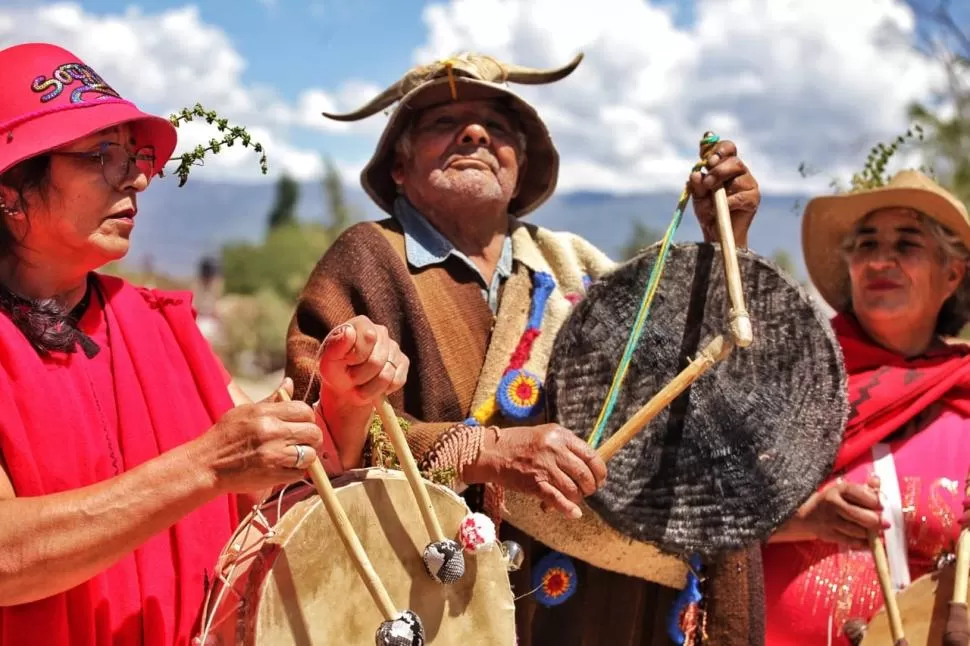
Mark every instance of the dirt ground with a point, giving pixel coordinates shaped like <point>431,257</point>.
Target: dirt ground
<point>260,388</point>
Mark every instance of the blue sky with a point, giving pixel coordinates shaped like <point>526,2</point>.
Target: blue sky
<point>789,80</point>
<point>288,42</point>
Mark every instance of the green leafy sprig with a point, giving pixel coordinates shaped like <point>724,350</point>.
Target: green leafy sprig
<point>197,155</point>
<point>873,173</point>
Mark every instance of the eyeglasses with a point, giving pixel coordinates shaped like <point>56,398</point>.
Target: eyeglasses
<point>116,161</point>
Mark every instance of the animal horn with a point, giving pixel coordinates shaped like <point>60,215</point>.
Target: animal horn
<point>375,105</point>
<point>533,76</point>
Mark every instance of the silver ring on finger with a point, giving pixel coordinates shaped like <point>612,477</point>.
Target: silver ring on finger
<point>300,454</point>
<point>392,363</point>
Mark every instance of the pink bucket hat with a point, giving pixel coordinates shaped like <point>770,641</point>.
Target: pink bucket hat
<point>51,98</point>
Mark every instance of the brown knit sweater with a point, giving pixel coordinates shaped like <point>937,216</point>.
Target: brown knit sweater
<point>457,349</point>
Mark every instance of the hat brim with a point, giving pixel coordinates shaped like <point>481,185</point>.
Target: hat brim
<point>829,219</point>
<point>51,131</point>
<point>541,172</point>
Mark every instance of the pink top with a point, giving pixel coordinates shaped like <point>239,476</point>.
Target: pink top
<point>67,421</point>
<point>810,584</point>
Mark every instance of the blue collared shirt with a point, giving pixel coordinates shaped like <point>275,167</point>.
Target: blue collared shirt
<point>425,246</point>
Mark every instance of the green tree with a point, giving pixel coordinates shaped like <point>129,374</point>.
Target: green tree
<point>940,125</point>
<point>284,208</point>
<point>254,333</point>
<point>945,117</point>
<point>643,236</point>
<point>281,263</point>
<point>340,213</point>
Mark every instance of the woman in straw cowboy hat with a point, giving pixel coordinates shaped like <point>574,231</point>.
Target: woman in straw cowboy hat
<point>892,262</point>
<point>123,460</point>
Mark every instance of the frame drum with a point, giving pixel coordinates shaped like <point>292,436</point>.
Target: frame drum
<point>923,607</point>
<point>285,577</point>
<point>731,458</point>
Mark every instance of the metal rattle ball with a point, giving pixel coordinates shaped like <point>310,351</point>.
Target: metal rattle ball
<point>444,561</point>
<point>513,554</point>
<point>406,630</point>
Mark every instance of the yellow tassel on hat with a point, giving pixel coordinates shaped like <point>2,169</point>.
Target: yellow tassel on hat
<point>449,67</point>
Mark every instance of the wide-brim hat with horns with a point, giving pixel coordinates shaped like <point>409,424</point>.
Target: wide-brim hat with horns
<point>830,218</point>
<point>467,77</point>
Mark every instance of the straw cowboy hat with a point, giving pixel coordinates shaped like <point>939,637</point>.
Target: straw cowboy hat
<point>52,98</point>
<point>466,77</point>
<point>829,219</point>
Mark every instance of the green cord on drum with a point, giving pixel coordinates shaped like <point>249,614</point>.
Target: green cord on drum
<point>707,147</point>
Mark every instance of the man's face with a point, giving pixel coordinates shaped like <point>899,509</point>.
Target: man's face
<point>461,153</point>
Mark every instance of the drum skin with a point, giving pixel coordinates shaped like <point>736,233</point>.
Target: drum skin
<point>923,607</point>
<point>294,583</point>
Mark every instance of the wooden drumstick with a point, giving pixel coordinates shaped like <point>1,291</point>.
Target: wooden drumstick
<point>888,592</point>
<point>740,321</point>
<point>957,631</point>
<point>443,558</point>
<point>962,572</point>
<point>347,533</point>
<point>717,350</point>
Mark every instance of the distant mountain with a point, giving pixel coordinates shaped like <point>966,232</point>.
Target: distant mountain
<point>178,226</point>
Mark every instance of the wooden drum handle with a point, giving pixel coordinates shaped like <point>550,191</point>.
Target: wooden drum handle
<point>715,351</point>
<point>885,582</point>
<point>406,459</point>
<point>962,567</point>
<point>739,320</point>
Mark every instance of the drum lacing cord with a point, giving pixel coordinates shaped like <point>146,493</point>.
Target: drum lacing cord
<point>707,147</point>
<point>232,557</point>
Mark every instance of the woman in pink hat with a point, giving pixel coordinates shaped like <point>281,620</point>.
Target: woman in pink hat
<point>125,448</point>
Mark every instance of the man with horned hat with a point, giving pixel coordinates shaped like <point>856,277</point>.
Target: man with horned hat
<point>475,297</point>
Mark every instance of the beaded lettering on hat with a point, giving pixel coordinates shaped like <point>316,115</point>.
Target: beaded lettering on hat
<point>62,77</point>
<point>67,74</point>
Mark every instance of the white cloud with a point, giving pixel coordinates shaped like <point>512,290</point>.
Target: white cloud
<point>171,59</point>
<point>351,95</point>
<point>242,163</point>
<point>788,80</point>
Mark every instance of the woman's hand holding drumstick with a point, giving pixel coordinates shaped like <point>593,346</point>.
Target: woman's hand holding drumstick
<point>957,632</point>
<point>388,634</point>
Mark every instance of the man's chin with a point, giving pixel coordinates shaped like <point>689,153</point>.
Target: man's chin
<point>474,192</point>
